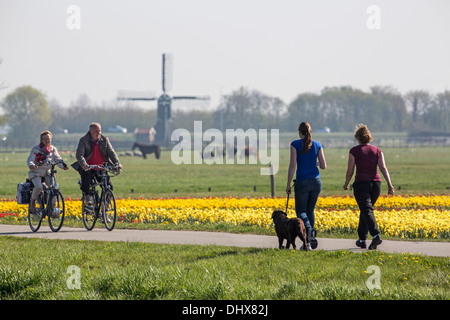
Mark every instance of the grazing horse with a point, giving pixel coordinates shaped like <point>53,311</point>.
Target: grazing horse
<point>147,149</point>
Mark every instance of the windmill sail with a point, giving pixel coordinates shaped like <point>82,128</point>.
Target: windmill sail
<point>191,98</point>
<point>136,95</point>
<point>167,71</point>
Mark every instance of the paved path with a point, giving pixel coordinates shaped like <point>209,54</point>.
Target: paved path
<point>216,238</point>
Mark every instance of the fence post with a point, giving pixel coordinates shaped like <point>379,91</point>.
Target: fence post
<point>272,182</point>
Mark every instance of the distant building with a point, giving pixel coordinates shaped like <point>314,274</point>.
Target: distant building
<point>145,135</point>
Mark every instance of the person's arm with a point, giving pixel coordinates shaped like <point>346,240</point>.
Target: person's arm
<point>80,155</point>
<point>350,170</point>
<point>112,153</point>
<point>31,159</point>
<point>385,172</point>
<point>322,162</point>
<point>291,170</point>
<point>62,165</point>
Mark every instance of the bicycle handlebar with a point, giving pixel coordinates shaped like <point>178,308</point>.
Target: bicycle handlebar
<point>108,168</point>
<point>40,163</point>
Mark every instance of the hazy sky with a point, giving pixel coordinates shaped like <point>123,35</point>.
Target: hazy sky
<point>282,47</point>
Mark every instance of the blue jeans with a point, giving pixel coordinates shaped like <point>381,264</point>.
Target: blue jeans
<point>306,194</point>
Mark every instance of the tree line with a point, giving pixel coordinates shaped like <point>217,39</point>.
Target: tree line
<point>382,108</point>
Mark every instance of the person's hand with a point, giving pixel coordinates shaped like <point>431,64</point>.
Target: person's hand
<point>346,186</point>
<point>86,167</point>
<point>391,190</point>
<point>288,189</point>
<point>33,167</point>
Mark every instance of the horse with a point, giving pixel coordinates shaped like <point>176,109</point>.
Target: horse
<point>147,149</point>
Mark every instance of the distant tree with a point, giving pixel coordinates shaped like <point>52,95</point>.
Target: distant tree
<point>235,110</point>
<point>28,114</point>
<point>344,107</point>
<point>245,108</point>
<point>394,115</point>
<point>2,84</point>
<point>306,107</point>
<point>3,118</point>
<point>277,112</point>
<point>438,116</point>
<point>341,108</point>
<point>419,102</point>
<point>82,112</point>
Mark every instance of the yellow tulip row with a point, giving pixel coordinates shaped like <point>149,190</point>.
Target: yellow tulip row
<point>402,216</point>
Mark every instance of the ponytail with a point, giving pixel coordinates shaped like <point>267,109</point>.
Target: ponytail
<point>305,129</point>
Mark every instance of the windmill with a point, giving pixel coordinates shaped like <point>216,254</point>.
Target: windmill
<point>163,113</point>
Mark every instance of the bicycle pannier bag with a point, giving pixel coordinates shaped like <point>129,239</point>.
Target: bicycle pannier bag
<point>24,192</point>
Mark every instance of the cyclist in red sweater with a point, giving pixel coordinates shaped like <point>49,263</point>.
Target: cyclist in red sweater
<point>93,149</point>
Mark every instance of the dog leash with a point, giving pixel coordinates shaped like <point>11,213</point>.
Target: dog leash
<point>287,201</point>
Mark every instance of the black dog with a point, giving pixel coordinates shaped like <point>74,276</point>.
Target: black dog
<point>147,149</point>
<point>289,229</point>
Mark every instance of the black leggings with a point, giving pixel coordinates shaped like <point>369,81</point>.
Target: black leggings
<point>366,194</point>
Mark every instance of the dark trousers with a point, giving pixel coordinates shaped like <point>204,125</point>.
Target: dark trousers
<point>86,178</point>
<point>366,194</point>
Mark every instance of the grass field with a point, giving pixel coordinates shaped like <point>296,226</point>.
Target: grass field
<point>39,269</point>
<point>413,171</point>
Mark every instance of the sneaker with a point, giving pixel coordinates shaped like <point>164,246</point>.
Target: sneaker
<point>32,207</point>
<point>56,212</point>
<point>361,244</point>
<point>375,242</point>
<point>312,238</point>
<point>108,220</point>
<point>307,248</point>
<point>89,200</point>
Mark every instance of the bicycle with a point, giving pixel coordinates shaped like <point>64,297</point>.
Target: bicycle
<point>50,203</point>
<point>104,206</point>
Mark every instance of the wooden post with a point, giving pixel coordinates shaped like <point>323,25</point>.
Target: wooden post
<point>272,182</point>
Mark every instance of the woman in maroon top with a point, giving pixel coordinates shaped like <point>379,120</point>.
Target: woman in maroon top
<point>367,185</point>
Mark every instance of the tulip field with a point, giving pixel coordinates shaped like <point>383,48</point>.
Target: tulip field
<point>407,217</point>
<point>157,194</point>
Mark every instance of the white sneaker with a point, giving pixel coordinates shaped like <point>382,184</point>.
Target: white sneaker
<point>308,247</point>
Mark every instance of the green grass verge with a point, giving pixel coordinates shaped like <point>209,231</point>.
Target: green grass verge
<point>39,269</point>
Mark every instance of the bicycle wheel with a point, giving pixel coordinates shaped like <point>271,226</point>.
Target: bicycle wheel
<point>56,210</point>
<point>89,213</point>
<point>108,209</point>
<point>35,219</point>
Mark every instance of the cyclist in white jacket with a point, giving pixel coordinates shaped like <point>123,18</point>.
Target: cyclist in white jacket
<point>40,168</point>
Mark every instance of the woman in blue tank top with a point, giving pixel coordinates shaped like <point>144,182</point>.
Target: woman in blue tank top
<point>306,154</point>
